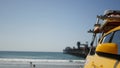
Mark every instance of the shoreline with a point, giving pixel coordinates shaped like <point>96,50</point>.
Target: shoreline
<point>40,63</point>
<point>39,60</point>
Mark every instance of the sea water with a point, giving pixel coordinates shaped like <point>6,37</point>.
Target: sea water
<point>17,59</point>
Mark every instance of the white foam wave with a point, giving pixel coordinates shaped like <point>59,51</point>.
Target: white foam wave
<point>38,60</point>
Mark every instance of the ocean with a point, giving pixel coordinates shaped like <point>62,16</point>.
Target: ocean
<point>20,59</point>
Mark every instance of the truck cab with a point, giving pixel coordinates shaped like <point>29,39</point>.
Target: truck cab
<point>106,53</point>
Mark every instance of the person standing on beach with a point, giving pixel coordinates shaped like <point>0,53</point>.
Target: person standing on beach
<point>34,66</point>
<point>30,64</point>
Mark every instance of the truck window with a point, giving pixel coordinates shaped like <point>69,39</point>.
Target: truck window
<point>113,38</point>
<point>116,39</point>
<point>107,38</point>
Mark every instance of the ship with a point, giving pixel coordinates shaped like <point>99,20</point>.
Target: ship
<point>81,50</point>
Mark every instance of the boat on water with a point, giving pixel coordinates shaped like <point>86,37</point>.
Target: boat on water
<point>81,50</point>
<point>107,50</point>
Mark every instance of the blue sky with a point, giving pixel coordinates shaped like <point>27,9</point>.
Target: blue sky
<point>48,25</point>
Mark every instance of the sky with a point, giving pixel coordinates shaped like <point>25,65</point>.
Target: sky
<point>48,25</point>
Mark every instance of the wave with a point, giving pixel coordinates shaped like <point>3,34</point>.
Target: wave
<point>39,60</point>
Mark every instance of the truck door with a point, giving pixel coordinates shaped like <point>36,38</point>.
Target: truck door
<point>113,37</point>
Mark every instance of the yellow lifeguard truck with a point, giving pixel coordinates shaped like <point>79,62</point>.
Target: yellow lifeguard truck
<point>106,53</point>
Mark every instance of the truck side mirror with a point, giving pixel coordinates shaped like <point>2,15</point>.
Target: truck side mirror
<point>109,50</point>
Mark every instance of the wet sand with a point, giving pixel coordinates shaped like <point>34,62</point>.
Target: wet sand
<point>13,64</point>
